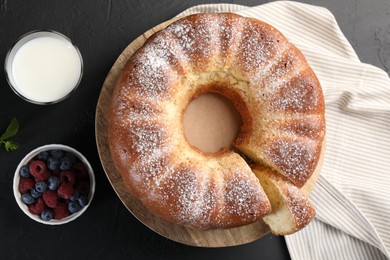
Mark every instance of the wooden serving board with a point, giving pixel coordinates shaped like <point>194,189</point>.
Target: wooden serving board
<point>181,234</point>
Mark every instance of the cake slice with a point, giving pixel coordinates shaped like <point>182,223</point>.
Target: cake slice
<point>291,210</point>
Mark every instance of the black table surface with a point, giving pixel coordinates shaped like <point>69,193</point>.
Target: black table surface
<point>102,29</point>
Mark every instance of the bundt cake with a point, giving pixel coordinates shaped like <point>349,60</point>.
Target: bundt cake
<point>271,85</point>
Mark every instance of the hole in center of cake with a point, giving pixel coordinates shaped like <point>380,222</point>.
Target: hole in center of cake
<point>211,122</point>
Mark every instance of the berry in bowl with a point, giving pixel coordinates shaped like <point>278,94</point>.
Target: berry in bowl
<point>54,184</point>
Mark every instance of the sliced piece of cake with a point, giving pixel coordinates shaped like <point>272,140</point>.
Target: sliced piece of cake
<point>291,210</point>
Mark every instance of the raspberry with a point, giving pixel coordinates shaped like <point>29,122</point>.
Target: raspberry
<point>50,198</point>
<point>43,176</point>
<point>39,171</point>
<point>37,167</point>
<point>56,172</point>
<point>80,170</point>
<point>67,177</point>
<point>83,188</point>
<point>65,190</point>
<point>61,211</point>
<point>37,207</point>
<point>26,184</point>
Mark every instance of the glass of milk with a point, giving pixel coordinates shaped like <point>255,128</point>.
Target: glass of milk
<point>44,67</point>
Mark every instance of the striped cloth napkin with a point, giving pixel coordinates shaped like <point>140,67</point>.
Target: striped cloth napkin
<point>352,196</point>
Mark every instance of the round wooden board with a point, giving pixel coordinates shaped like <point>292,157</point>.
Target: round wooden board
<point>181,234</point>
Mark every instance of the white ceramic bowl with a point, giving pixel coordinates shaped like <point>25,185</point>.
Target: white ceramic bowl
<point>30,156</point>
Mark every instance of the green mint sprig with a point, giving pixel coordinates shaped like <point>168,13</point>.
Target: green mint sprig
<point>11,131</point>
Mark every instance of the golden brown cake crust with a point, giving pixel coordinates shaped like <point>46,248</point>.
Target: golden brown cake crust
<point>271,85</point>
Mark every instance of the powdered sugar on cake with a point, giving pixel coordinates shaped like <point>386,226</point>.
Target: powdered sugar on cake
<point>300,206</point>
<point>254,61</point>
<point>293,158</point>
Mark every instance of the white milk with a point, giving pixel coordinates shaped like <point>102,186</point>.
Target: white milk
<point>46,69</point>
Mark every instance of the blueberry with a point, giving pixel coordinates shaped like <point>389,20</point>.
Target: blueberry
<point>74,206</point>
<point>57,154</point>
<point>53,163</point>
<point>75,196</point>
<point>47,214</point>
<point>35,194</point>
<point>83,200</point>
<point>41,186</point>
<point>71,156</point>
<point>25,171</point>
<point>65,164</point>
<point>27,199</point>
<point>43,156</point>
<point>53,182</point>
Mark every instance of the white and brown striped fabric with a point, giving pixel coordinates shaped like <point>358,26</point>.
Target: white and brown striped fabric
<point>352,196</point>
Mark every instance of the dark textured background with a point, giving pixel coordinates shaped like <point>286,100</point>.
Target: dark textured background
<point>101,30</point>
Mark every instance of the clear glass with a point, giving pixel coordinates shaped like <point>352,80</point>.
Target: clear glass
<point>9,59</point>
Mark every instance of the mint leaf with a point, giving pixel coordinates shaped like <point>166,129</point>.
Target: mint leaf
<point>12,129</point>
<point>11,145</point>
